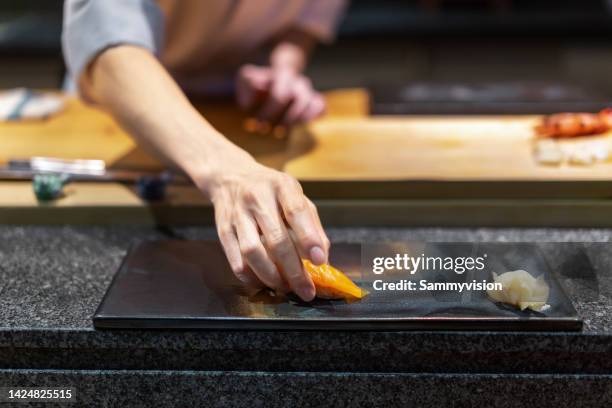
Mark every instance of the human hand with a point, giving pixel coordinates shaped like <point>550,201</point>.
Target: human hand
<point>250,199</point>
<point>278,95</point>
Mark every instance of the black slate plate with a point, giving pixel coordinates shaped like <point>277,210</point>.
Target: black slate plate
<point>188,284</point>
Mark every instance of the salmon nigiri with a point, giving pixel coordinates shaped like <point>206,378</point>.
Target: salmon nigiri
<point>331,283</point>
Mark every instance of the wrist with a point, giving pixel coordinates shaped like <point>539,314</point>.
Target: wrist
<point>226,158</point>
<point>287,67</point>
<point>288,57</point>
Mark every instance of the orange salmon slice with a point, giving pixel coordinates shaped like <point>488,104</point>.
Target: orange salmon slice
<point>331,283</point>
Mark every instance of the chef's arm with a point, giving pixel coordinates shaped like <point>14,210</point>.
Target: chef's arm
<point>249,198</point>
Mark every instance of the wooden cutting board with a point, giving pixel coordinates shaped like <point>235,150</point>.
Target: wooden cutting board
<point>429,148</point>
<point>345,145</point>
<point>80,131</point>
<point>360,170</point>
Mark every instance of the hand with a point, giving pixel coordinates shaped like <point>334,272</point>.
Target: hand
<point>250,198</point>
<point>278,95</point>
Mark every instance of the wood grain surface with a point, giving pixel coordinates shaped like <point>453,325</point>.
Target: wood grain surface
<point>429,148</point>
<point>84,132</point>
<point>362,170</point>
<point>345,145</point>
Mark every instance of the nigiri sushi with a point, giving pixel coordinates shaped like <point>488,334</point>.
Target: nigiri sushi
<point>330,283</point>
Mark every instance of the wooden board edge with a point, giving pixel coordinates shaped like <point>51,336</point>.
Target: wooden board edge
<point>346,213</point>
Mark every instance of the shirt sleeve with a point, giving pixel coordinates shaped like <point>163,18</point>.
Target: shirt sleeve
<point>91,26</point>
<point>321,17</point>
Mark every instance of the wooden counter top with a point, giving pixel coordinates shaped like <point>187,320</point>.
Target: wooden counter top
<point>82,132</point>
<point>434,169</point>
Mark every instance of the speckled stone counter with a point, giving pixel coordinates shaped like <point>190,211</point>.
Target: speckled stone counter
<point>52,279</point>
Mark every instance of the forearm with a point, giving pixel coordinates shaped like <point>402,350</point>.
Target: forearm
<point>132,85</point>
<point>249,199</point>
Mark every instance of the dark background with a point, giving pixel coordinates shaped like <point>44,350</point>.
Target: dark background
<point>397,41</point>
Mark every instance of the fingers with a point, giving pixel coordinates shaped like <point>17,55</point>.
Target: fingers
<point>315,109</point>
<point>265,224</point>
<point>231,247</point>
<point>254,253</point>
<point>282,250</point>
<point>304,223</point>
<point>252,85</point>
<point>305,108</point>
<point>280,96</point>
<point>320,229</point>
<point>300,104</point>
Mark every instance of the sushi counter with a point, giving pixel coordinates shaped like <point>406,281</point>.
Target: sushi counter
<point>58,258</point>
<point>52,279</point>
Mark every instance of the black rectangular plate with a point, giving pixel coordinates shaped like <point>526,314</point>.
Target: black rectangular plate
<point>189,285</point>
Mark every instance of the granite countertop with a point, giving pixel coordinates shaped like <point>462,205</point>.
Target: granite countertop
<point>52,280</point>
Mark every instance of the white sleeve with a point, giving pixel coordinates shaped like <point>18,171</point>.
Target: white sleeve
<point>321,18</point>
<point>91,26</point>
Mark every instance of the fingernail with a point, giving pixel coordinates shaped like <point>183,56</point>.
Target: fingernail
<point>243,278</point>
<point>317,256</point>
<point>307,294</point>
